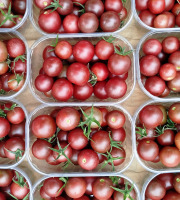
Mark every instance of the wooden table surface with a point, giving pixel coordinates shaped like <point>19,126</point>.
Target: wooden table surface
<point>133,33</point>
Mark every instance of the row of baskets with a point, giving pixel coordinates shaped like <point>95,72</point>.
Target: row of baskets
<point>35,61</point>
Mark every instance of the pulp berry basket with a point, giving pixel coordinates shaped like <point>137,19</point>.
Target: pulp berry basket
<point>165,30</point>
<point>44,168</point>
<point>35,11</point>
<point>36,62</point>
<point>159,35</point>
<point>150,166</point>
<point>6,163</point>
<point>19,25</point>
<point>36,186</point>
<point>149,179</point>
<point>7,36</point>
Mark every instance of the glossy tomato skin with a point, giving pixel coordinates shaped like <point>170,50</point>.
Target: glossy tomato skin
<point>118,134</point>
<point>78,73</point>
<point>116,152</point>
<point>167,72</point>
<point>13,83</point>
<point>70,24</point>
<point>4,81</point>
<point>19,67</point>
<point>49,21</point>
<point>174,113</point>
<point>48,52</point>
<point>67,7</point>
<point>156,7</point>
<point>177,140</point>
<point>149,65</point>
<point>52,66</point>
<point>74,157</point>
<point>174,84</point>
<point>18,191</point>
<point>171,195</point>
<point>52,187</point>
<point>62,89</point>
<point>100,70</point>
<point>155,190</point>
<point>120,196</point>
<point>95,6</point>
<point>104,50</point>
<point>161,21</point>
<point>19,6</point>
<point>2,196</point>
<point>155,85</point>
<point>44,195</point>
<point>3,52</point>
<point>141,5</point>
<point>116,88</point>
<point>100,141</point>
<point>102,188</point>
<point>169,156</point>
<point>119,64</point>
<point>176,183</point>
<point>67,118</point>
<point>75,187</point>
<point>100,90</point>
<point>43,83</point>
<point>16,47</point>
<point>88,23</point>
<point>51,160</point>
<point>63,49</point>
<point>3,68</point>
<point>16,116</point>
<point>167,138</point>
<point>8,23</point>
<point>88,159</point>
<point>83,51</point>
<point>6,176</point>
<point>167,180</point>
<point>4,127</point>
<point>115,119</point>
<point>13,144</point>
<point>104,112</point>
<point>62,136</point>
<point>41,149</point>
<point>170,44</point>
<point>77,139</point>
<point>89,182</point>
<point>115,5</point>
<point>147,17</point>
<point>110,21</point>
<point>43,3</point>
<point>171,20</point>
<point>152,47</point>
<point>43,126</point>
<point>83,92</point>
<point>2,154</point>
<point>148,150</point>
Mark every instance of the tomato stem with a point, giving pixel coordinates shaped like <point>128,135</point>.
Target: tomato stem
<point>141,131</point>
<point>2,113</point>
<point>55,5</point>
<point>121,50</point>
<point>110,39</point>
<point>115,180</point>
<point>18,153</point>
<point>93,78</point>
<point>12,107</point>
<point>2,91</point>
<point>20,180</point>
<point>83,7</point>
<point>113,143</point>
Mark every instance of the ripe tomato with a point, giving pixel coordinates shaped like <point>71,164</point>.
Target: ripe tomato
<point>169,4</point>
<point>70,24</point>
<point>94,6</point>
<point>167,72</point>
<point>77,139</point>
<point>170,156</point>
<point>116,88</point>
<point>151,116</point>
<point>2,154</point>
<point>16,47</point>
<point>167,138</point>
<point>177,140</point>
<point>19,6</point>
<point>44,195</point>
<point>161,21</point>
<point>174,113</point>
<point>115,5</point>
<point>104,112</point>
<point>152,47</point>
<point>67,118</point>
<point>115,119</point>
<point>170,44</point>
<point>88,23</point>
<point>100,70</point>
<point>102,188</point>
<point>176,183</point>
<point>18,191</point>
<point>3,68</point>
<point>43,126</point>
<point>155,190</point>
<point>115,153</point>
<point>53,187</point>
<point>141,5</point>
<point>118,134</point>
<point>88,159</point>
<point>19,67</point>
<point>174,58</point>
<point>63,49</point>
<point>16,116</point>
<point>41,149</point>
<point>52,66</point>
<point>83,92</point>
<point>83,51</point>
<point>4,127</point>
<point>78,74</point>
<point>51,160</point>
<point>75,187</point>
<point>176,9</point>
<point>171,195</point>
<point>62,89</point>
<point>2,196</point>
<point>16,82</point>
<point>167,180</point>
<point>156,6</point>
<point>43,3</point>
<point>89,182</point>
<point>44,83</point>
<point>171,20</point>
<point>74,157</point>
<point>48,52</point>
<point>12,146</point>
<point>147,17</point>
<point>6,176</point>
<point>49,21</point>
<point>100,90</point>
<point>66,7</point>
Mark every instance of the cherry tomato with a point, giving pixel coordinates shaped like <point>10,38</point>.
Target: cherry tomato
<point>2,154</point>
<point>43,3</point>
<point>174,113</point>
<point>104,112</point>
<point>3,52</point>
<point>177,140</point>
<point>89,182</point>
<point>83,92</point>
<point>94,6</point>
<point>167,72</point>
<point>6,176</point>
<point>100,91</point>
<point>171,19</point>
<point>16,116</point>
<point>16,47</point>
<point>161,21</point>
<point>123,14</point>
<point>63,49</point>
<point>100,70</point>
<point>16,82</point>
<point>118,134</point>
<point>44,83</point>
<point>51,160</point>
<point>141,5</point>
<point>18,191</point>
<point>74,157</point>
<point>167,180</point>
<point>171,195</point>
<point>169,4</point>
<point>70,24</point>
<point>115,153</point>
<point>174,58</point>
<point>115,5</point>
<point>167,138</point>
<point>4,127</point>
<point>156,6</point>
<point>19,6</point>
<point>48,52</point>
<point>43,126</point>
<point>147,17</point>
<point>176,9</point>
<point>115,119</point>
<point>170,44</point>
<point>152,47</point>
<point>176,183</point>
<point>19,67</point>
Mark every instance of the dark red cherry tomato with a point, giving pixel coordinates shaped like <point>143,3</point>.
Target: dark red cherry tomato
<point>19,6</point>
<point>70,24</point>
<point>43,83</point>
<point>4,127</point>
<point>48,52</point>
<point>43,3</point>
<point>16,47</point>
<point>115,5</point>
<point>156,6</point>
<point>83,92</point>
<point>170,44</point>
<point>167,180</point>
<point>100,70</point>
<point>141,5</point>
<point>100,91</point>
<point>152,47</point>
<point>95,6</point>
<point>16,116</point>
<point>174,84</point>
<point>147,17</point>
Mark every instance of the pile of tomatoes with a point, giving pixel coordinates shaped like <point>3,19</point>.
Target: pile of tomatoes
<point>159,13</point>
<point>165,186</point>
<point>12,131</point>
<point>85,137</point>
<point>86,16</point>
<point>11,12</point>
<point>12,65</point>
<point>80,70</point>
<point>86,188</point>
<point>160,66</point>
<point>13,185</point>
<point>158,134</point>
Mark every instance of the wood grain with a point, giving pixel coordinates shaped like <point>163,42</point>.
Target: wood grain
<point>133,33</point>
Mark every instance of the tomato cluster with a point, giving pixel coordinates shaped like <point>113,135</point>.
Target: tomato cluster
<point>85,137</point>
<point>12,65</point>
<point>165,186</point>
<point>86,188</point>
<point>12,131</point>
<point>158,134</point>
<point>80,70</point>
<point>86,16</point>
<point>159,13</point>
<point>13,185</point>
<point>11,12</point>
<point>160,66</point>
